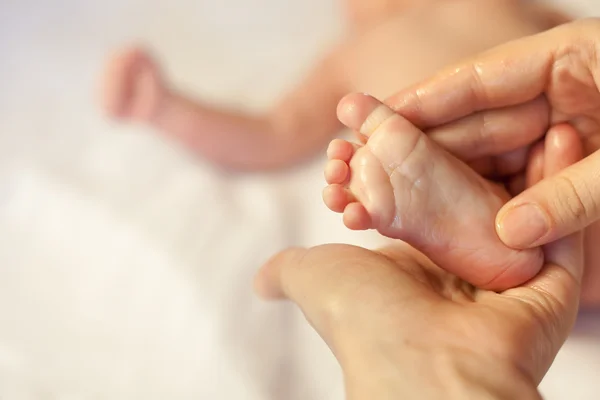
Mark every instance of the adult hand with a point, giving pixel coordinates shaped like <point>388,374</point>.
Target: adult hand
<point>401,327</point>
<point>467,106</point>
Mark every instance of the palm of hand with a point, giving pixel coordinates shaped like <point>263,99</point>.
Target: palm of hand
<point>436,311</point>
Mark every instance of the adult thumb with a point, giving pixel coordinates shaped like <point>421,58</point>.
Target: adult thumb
<point>554,208</point>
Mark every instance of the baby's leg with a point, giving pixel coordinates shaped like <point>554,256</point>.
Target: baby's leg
<point>294,130</point>
<point>408,188</point>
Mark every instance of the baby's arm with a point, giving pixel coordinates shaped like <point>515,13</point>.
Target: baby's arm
<point>295,129</point>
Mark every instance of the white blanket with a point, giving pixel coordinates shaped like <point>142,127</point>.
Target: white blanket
<point>126,264</point>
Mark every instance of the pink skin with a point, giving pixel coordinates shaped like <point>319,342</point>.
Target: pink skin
<point>407,187</point>
<point>304,120</point>
<point>362,14</point>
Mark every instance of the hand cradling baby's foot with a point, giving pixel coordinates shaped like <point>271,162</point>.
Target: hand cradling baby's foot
<point>405,186</point>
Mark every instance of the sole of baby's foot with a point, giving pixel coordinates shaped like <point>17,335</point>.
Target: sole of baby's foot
<point>132,85</point>
<point>406,187</point>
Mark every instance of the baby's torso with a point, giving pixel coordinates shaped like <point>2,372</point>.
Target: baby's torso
<point>411,46</point>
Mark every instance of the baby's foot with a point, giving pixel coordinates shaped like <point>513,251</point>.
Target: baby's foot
<point>408,188</point>
<point>132,87</point>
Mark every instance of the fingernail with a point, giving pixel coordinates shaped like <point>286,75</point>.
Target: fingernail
<point>522,226</point>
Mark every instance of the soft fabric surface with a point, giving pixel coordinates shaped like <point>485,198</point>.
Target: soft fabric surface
<point>127,263</point>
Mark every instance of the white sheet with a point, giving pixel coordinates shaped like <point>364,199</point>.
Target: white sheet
<point>126,263</point>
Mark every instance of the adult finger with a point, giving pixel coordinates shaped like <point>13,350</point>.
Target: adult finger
<point>490,133</point>
<point>503,165</point>
<point>558,286</point>
<point>507,75</point>
<point>557,206</point>
<point>330,283</point>
<point>534,171</point>
<point>563,148</point>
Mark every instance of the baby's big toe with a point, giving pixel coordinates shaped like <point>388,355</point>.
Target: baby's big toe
<point>362,113</point>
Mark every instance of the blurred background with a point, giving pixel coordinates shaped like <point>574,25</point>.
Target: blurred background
<point>126,263</point>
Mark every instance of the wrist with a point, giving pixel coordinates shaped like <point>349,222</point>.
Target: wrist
<point>465,375</point>
<point>451,375</point>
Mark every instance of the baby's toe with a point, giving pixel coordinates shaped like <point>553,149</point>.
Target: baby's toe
<point>337,197</point>
<point>362,113</point>
<point>337,172</point>
<point>340,149</point>
<point>356,217</point>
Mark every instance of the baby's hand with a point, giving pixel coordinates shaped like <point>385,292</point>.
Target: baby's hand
<point>132,86</point>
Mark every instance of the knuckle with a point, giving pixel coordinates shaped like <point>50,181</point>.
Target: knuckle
<point>586,24</point>
<point>577,200</point>
<point>580,38</point>
<point>478,89</point>
<point>486,134</point>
